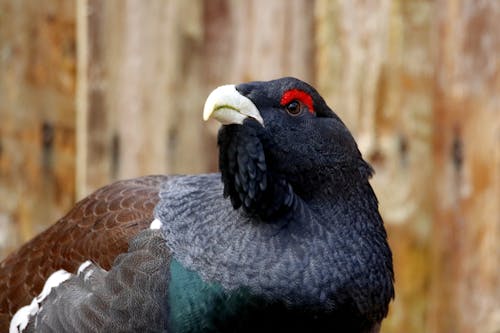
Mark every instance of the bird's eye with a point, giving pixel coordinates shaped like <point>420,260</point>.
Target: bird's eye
<point>294,108</point>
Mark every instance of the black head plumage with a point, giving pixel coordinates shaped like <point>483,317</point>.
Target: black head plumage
<point>302,147</point>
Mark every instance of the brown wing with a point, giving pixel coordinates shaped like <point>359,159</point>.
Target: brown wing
<point>97,228</point>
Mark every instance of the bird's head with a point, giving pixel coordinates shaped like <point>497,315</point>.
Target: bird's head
<point>280,131</point>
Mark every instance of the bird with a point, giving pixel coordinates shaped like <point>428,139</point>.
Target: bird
<point>287,237</point>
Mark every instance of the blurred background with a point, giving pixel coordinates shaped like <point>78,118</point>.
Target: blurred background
<point>94,91</point>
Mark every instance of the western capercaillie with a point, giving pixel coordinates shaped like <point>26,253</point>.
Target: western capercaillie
<point>286,238</point>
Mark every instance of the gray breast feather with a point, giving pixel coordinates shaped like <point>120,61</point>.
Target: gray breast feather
<point>290,261</point>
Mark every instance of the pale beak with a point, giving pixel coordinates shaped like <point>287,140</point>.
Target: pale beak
<point>226,105</point>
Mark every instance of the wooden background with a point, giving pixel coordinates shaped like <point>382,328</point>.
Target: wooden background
<point>92,91</point>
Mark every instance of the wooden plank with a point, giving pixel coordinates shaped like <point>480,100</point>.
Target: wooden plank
<point>466,235</point>
<point>258,40</point>
<point>82,100</point>
<point>145,95</point>
<point>37,134</point>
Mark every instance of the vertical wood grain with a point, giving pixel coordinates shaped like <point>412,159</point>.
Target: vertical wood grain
<point>466,234</point>
<point>258,40</point>
<point>37,133</point>
<point>81,98</point>
<point>145,82</point>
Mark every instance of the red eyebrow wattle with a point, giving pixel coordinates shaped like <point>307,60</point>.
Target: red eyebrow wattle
<point>299,95</point>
